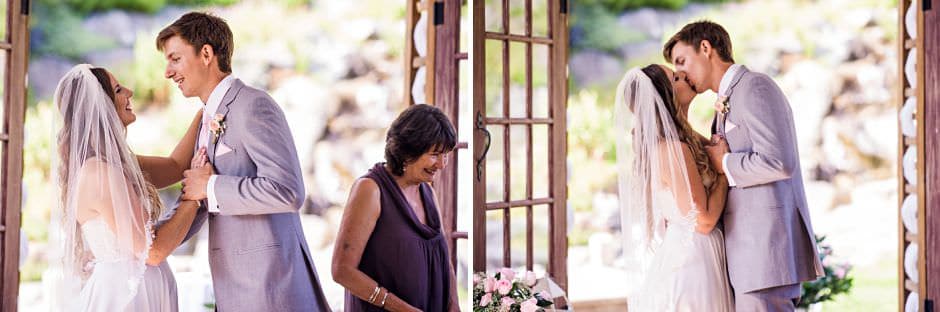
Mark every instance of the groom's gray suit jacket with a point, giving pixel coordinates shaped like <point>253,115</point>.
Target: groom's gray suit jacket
<point>768,234</point>
<point>258,254</point>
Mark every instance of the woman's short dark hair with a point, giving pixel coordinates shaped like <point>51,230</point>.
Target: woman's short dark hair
<point>416,131</point>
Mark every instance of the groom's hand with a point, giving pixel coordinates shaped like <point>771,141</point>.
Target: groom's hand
<point>716,152</point>
<point>195,181</point>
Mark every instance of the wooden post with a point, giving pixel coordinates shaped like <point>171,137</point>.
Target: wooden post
<point>14,101</point>
<point>928,62</point>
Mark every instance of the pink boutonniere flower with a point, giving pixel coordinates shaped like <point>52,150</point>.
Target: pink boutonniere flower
<point>217,127</point>
<point>721,105</point>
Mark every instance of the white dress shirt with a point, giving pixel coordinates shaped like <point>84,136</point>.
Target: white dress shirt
<point>208,111</point>
<point>722,91</point>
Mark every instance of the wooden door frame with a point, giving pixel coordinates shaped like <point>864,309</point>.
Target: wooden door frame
<point>557,41</point>
<point>927,118</point>
<point>929,80</point>
<point>447,58</point>
<point>16,44</point>
<point>442,81</point>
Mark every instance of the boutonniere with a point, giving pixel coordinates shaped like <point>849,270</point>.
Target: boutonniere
<point>721,105</point>
<point>217,127</point>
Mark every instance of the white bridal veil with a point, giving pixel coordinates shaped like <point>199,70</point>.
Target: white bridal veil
<point>654,185</point>
<point>100,184</point>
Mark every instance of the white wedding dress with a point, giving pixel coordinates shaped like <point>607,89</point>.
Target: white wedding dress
<point>114,273</point>
<point>686,273</point>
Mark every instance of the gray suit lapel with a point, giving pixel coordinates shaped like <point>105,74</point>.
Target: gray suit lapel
<point>734,82</point>
<point>223,110</point>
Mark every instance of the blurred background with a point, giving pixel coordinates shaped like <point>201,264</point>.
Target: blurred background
<point>335,67</point>
<point>836,61</point>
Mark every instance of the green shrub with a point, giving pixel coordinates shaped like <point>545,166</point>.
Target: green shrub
<point>86,6</point>
<point>147,6</point>
<point>59,30</point>
<point>620,5</point>
<point>146,73</point>
<point>595,27</point>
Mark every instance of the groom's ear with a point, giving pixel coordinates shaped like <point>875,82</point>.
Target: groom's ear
<point>705,47</point>
<point>206,54</point>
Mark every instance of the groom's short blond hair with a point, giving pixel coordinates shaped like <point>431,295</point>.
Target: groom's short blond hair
<point>199,29</point>
<point>693,34</point>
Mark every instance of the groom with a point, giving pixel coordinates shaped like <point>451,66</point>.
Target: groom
<point>251,194</point>
<point>768,234</point>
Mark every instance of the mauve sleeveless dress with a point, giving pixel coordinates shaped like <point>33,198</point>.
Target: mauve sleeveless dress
<point>403,255</point>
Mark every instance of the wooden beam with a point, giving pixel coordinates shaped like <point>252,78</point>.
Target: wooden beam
<point>519,203</point>
<point>477,62</point>
<point>447,98</point>
<point>558,95</point>
<point>12,162</point>
<point>929,162</point>
<point>518,38</point>
<point>519,121</point>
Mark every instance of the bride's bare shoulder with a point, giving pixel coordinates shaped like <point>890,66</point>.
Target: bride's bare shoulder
<point>95,167</point>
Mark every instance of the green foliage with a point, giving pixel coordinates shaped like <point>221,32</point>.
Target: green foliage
<point>594,22</point>
<point>38,152</point>
<point>592,146</point>
<point>596,27</point>
<point>59,30</point>
<point>836,281</point>
<point>620,5</point>
<point>218,2</point>
<point>86,6</point>
<point>148,82</point>
<point>146,6</point>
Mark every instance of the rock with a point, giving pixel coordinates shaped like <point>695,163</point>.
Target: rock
<point>834,150</point>
<point>122,26</point>
<point>44,75</point>
<point>594,67</point>
<point>647,21</point>
<point>655,23</point>
<point>808,88</point>
<point>117,60</point>
<point>879,137</point>
<point>821,196</point>
<point>641,50</point>
<point>865,229</point>
<point>318,232</point>
<point>832,44</point>
<point>307,107</point>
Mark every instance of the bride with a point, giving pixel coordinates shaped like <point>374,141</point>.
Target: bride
<point>113,247</point>
<point>671,198</point>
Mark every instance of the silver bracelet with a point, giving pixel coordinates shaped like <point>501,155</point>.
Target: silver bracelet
<point>375,294</point>
<point>382,305</point>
